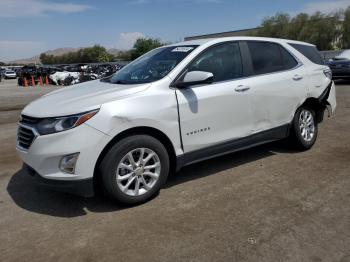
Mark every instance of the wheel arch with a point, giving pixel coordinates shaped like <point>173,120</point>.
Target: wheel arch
<point>316,105</point>
<point>141,130</point>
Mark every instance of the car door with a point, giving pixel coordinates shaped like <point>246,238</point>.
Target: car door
<point>218,112</point>
<point>277,83</point>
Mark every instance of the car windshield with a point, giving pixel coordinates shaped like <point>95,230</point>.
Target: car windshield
<point>344,55</point>
<point>152,66</point>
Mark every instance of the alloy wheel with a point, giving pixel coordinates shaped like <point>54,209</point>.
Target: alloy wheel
<point>138,171</point>
<point>306,125</point>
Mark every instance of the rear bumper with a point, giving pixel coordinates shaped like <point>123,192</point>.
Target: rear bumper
<point>328,99</point>
<point>84,187</point>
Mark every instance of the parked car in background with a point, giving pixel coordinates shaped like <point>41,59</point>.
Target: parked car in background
<point>174,106</point>
<point>340,65</point>
<point>10,74</point>
<point>2,72</point>
<point>18,72</point>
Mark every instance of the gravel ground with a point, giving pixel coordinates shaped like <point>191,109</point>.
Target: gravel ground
<point>263,204</point>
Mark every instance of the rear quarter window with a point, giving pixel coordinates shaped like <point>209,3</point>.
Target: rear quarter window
<point>309,52</point>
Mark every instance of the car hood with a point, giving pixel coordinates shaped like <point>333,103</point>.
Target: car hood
<point>80,98</point>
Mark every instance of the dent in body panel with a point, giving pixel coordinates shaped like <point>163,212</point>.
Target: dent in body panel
<point>317,82</point>
<point>275,98</point>
<point>155,108</point>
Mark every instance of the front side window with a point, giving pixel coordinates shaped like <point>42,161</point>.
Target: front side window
<point>223,61</point>
<point>153,66</point>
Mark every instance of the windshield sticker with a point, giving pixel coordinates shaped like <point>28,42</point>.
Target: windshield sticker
<point>183,49</point>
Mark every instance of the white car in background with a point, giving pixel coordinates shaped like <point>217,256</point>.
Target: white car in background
<point>10,74</point>
<point>174,106</point>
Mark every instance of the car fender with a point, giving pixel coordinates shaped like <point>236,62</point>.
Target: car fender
<point>157,110</point>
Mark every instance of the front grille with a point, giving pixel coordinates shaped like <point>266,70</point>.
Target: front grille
<point>28,120</point>
<point>25,137</point>
<point>25,133</point>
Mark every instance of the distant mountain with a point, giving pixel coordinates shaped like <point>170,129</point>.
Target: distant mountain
<point>56,52</point>
<point>36,59</point>
<point>31,60</point>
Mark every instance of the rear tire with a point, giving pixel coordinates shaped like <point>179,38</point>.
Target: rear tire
<point>135,169</point>
<point>304,128</point>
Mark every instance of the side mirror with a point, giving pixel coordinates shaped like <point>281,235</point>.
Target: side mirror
<point>195,78</point>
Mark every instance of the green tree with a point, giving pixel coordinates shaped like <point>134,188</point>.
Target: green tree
<point>298,27</point>
<point>143,45</point>
<point>275,26</point>
<point>346,29</point>
<point>323,30</point>
<point>96,53</point>
<point>93,54</point>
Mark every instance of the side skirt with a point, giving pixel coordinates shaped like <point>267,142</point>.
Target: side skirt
<point>231,146</point>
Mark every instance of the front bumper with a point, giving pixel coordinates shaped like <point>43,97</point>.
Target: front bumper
<point>45,153</point>
<point>83,187</point>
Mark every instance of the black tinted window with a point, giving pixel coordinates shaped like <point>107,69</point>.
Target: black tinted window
<point>224,61</point>
<point>266,57</point>
<point>270,57</point>
<point>310,52</point>
<point>289,61</point>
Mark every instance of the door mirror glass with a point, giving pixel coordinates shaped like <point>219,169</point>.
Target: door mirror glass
<point>196,78</point>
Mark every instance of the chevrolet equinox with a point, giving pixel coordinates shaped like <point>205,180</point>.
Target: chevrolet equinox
<point>173,106</point>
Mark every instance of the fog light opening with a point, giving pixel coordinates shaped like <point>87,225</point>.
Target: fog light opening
<point>68,162</point>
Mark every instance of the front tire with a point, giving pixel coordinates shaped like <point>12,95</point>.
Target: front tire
<point>134,169</point>
<point>304,128</point>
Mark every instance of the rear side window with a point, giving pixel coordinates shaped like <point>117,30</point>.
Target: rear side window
<point>224,61</point>
<point>289,61</point>
<point>310,52</point>
<point>269,57</point>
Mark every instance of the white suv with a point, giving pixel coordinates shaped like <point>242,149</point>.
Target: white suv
<point>174,106</point>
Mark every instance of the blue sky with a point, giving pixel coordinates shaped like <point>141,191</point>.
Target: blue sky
<point>29,27</point>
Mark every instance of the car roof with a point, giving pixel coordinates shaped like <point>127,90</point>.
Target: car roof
<point>238,38</point>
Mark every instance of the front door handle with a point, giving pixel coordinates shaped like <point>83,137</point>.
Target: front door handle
<point>297,77</point>
<point>242,88</point>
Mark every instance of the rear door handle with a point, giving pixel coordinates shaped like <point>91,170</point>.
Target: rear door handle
<point>297,77</point>
<point>242,88</point>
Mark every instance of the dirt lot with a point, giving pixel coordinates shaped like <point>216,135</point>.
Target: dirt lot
<point>263,204</point>
<point>14,97</point>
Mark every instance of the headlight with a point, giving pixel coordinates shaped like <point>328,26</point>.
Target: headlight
<point>58,124</point>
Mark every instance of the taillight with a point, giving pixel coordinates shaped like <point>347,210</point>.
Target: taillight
<point>328,73</point>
